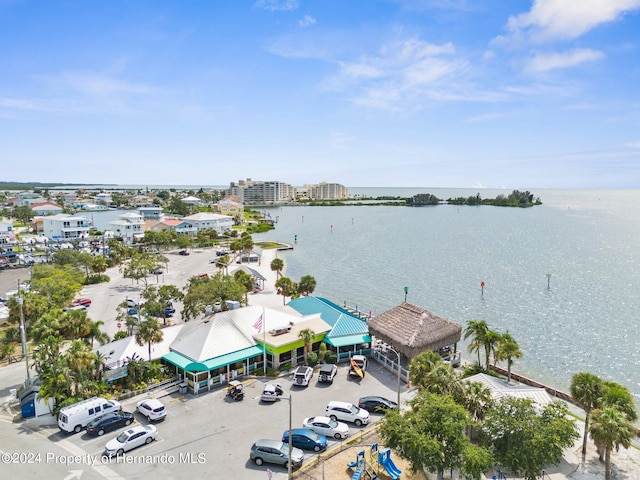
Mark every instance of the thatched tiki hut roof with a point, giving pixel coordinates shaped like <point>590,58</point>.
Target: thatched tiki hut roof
<point>412,330</point>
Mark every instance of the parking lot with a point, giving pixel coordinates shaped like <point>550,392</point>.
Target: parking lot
<point>206,435</point>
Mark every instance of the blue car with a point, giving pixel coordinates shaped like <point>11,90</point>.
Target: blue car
<point>306,439</point>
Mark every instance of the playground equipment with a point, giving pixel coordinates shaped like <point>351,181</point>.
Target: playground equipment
<point>370,465</point>
<point>384,459</point>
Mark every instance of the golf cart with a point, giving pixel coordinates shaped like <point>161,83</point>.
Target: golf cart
<point>235,390</point>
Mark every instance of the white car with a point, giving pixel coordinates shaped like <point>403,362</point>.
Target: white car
<point>271,392</point>
<point>302,375</point>
<point>152,408</point>
<point>130,439</point>
<point>327,427</point>
<point>347,412</point>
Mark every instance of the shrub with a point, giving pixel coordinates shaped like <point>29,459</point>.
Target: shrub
<point>331,357</point>
<point>286,367</point>
<point>93,279</point>
<point>312,359</point>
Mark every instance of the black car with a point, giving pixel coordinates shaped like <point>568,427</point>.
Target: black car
<point>376,404</point>
<point>108,422</point>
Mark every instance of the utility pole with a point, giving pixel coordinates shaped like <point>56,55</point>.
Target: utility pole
<point>23,333</point>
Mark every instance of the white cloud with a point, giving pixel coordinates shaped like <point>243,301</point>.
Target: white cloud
<point>552,61</point>
<point>97,85</point>
<point>567,19</point>
<point>306,21</point>
<point>401,73</point>
<point>277,5</point>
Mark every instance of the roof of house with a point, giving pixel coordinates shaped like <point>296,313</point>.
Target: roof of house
<point>412,330</point>
<point>203,216</point>
<point>120,351</point>
<point>234,330</point>
<point>501,389</point>
<point>254,273</point>
<point>45,206</point>
<point>342,322</point>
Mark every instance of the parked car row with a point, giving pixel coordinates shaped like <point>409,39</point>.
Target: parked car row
<point>315,430</point>
<point>100,416</point>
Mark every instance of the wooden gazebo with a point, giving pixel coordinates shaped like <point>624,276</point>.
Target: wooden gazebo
<point>412,330</point>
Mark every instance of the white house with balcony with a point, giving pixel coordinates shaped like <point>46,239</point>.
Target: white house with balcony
<point>129,226</point>
<point>65,226</point>
<point>7,235</point>
<point>212,221</point>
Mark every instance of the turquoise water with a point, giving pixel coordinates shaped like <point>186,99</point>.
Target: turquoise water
<point>584,317</point>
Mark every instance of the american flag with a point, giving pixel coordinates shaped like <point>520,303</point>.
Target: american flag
<point>258,324</point>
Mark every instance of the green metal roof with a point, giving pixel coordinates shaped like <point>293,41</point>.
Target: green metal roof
<point>348,340</point>
<point>190,366</point>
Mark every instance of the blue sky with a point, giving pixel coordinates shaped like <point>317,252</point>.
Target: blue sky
<point>415,93</point>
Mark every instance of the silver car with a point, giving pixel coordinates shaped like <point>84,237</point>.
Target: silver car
<point>275,451</point>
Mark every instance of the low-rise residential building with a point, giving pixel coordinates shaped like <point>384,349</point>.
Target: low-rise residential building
<point>7,234</point>
<point>230,206</point>
<point>103,198</point>
<point>151,213</point>
<point>46,208</point>
<point>65,226</point>
<point>213,221</point>
<point>129,227</point>
<point>193,201</point>
<point>181,227</point>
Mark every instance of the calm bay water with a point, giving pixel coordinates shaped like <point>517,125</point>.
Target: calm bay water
<point>585,320</point>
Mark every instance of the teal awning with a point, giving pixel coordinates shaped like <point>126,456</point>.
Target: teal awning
<point>189,365</point>
<point>233,357</point>
<point>184,363</point>
<point>348,340</point>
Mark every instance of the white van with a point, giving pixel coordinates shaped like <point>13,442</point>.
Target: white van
<point>75,417</point>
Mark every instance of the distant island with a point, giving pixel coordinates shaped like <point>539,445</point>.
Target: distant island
<point>514,199</point>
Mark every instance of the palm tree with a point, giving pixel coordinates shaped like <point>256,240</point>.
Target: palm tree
<point>441,380</point>
<point>148,332</point>
<point>286,287</point>
<point>476,398</point>
<point>80,361</point>
<point>477,331</point>
<point>277,265</point>
<point>77,324</point>
<point>421,365</point>
<point>508,349</point>
<point>610,428</point>
<point>586,389</point>
<point>95,333</point>
<point>307,335</point>
<point>307,285</point>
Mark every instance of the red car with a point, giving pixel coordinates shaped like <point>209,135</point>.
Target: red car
<point>81,302</point>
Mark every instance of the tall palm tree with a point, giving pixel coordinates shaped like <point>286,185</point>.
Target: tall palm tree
<point>307,335</point>
<point>95,333</point>
<point>610,428</point>
<point>148,332</point>
<point>586,389</point>
<point>80,361</point>
<point>286,287</point>
<point>477,331</point>
<point>508,349</point>
<point>277,265</point>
